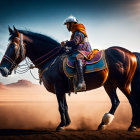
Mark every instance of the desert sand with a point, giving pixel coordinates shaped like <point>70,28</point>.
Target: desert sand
<point>28,111</point>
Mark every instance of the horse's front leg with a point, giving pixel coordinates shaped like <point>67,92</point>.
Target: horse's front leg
<point>60,94</point>
<point>68,121</point>
<point>108,117</point>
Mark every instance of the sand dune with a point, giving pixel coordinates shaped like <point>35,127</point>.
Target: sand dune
<point>2,86</point>
<point>21,83</point>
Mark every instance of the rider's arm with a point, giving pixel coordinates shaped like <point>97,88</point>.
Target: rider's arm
<point>78,38</point>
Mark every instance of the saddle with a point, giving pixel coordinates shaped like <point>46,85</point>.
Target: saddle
<point>95,63</point>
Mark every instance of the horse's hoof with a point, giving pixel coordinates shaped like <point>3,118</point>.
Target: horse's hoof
<point>132,128</point>
<point>101,127</point>
<point>59,128</point>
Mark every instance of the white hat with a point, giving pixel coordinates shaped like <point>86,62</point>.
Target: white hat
<point>70,19</point>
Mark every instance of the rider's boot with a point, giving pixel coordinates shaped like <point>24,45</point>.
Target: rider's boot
<point>81,86</point>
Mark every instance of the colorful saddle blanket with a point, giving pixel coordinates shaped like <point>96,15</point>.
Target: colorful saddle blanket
<point>97,63</point>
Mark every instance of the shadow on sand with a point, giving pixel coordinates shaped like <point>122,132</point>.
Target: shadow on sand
<point>16,132</point>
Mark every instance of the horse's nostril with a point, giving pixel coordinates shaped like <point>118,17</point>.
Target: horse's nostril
<point>9,73</point>
<point>4,71</point>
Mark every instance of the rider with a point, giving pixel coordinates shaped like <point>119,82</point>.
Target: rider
<point>80,46</point>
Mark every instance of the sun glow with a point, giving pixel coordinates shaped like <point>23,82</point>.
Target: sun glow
<point>136,11</point>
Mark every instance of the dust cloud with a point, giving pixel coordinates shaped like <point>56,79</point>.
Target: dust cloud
<point>35,108</point>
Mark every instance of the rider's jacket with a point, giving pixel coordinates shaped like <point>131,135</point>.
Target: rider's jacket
<point>79,40</point>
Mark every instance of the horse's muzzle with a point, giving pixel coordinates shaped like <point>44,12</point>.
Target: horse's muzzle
<point>4,71</point>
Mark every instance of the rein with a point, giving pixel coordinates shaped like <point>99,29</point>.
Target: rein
<point>44,55</point>
<point>48,58</point>
<point>28,65</point>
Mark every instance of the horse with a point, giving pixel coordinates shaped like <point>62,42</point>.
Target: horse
<point>47,55</point>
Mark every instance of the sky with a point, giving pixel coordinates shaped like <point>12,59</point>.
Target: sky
<point>108,23</point>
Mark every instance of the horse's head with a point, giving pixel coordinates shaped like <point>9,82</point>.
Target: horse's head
<point>14,54</point>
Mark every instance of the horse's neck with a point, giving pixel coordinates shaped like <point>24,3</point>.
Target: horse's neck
<point>39,53</point>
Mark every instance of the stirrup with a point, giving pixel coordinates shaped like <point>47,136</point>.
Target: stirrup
<point>81,88</point>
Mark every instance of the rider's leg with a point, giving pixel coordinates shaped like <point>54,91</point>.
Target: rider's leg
<point>80,72</point>
<point>79,56</point>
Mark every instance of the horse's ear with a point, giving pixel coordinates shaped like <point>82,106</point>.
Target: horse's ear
<point>10,30</point>
<point>16,31</point>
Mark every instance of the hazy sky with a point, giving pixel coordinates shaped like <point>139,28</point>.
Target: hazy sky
<point>108,22</point>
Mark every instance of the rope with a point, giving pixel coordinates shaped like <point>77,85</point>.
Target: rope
<point>31,71</point>
<point>33,75</point>
<point>27,66</point>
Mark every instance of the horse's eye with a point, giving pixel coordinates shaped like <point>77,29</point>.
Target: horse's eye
<point>13,45</point>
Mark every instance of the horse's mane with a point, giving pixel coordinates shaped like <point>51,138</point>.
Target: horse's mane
<point>40,37</point>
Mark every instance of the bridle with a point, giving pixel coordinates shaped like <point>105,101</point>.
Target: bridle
<point>20,50</point>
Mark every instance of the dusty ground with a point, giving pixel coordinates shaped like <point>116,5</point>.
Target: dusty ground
<point>32,113</point>
<point>68,135</point>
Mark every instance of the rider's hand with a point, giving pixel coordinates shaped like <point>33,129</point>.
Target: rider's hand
<point>63,43</point>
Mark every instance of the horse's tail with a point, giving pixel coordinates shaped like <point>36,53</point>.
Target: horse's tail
<point>135,90</point>
<point>135,85</point>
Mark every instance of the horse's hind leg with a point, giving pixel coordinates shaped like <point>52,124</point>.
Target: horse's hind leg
<point>108,117</point>
<point>132,102</point>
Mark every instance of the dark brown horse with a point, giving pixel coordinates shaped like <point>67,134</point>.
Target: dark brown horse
<point>47,55</point>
